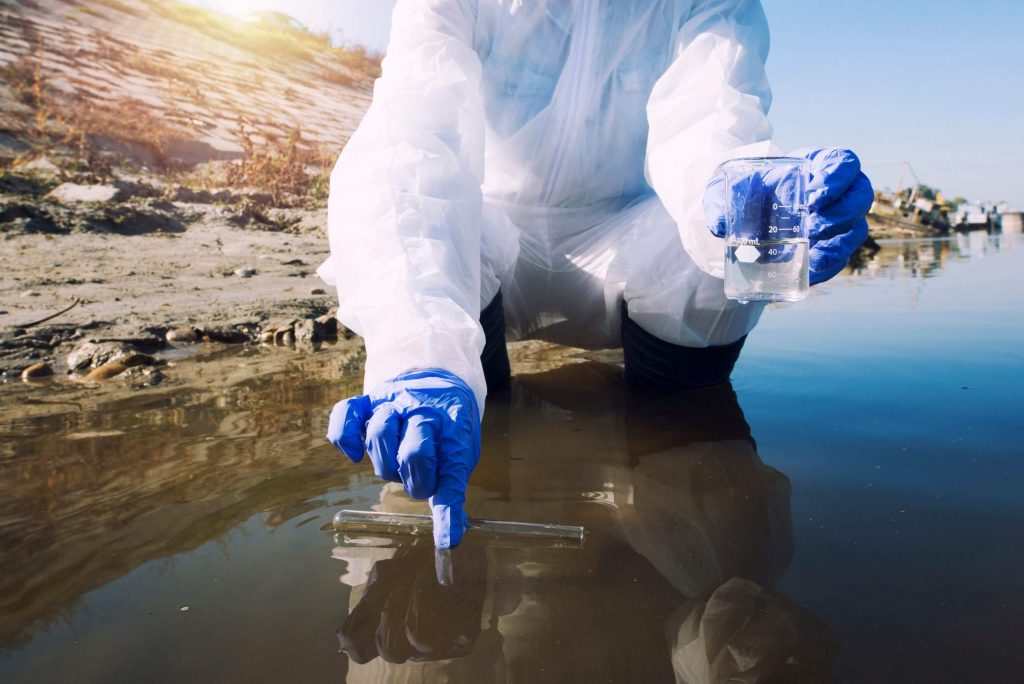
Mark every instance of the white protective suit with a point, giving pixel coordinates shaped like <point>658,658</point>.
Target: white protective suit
<point>557,149</point>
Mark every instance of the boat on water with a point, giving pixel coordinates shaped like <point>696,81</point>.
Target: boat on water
<point>976,216</point>
<point>893,215</point>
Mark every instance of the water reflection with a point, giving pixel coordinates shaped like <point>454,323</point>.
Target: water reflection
<point>688,531</point>
<point>924,258</point>
<point>117,508</point>
<point>104,481</point>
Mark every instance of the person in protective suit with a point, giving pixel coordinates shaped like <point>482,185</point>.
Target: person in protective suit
<point>544,169</point>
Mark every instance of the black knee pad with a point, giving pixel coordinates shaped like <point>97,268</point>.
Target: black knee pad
<point>653,362</point>
<point>494,358</point>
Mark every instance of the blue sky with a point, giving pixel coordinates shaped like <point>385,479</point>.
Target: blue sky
<point>937,83</point>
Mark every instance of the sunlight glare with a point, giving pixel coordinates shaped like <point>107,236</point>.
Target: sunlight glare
<point>237,8</point>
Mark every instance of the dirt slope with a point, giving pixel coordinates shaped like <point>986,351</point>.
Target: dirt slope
<point>165,167</point>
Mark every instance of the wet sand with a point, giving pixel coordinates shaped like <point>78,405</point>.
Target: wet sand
<point>845,511</point>
<point>135,287</point>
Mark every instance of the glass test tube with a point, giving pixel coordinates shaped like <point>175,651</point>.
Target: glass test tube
<point>410,523</point>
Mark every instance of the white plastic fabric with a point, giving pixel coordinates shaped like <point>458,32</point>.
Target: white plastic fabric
<point>558,150</point>
<point>746,634</point>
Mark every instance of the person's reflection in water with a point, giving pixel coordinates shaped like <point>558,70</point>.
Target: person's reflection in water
<point>715,521</point>
<point>687,533</point>
<point>405,614</point>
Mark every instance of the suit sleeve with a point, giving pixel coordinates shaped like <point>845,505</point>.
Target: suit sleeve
<point>405,202</point>
<point>709,106</point>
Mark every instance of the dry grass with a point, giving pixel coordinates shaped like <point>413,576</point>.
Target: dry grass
<point>26,79</point>
<point>358,58</point>
<point>290,171</point>
<point>60,121</point>
<point>337,77</point>
<point>127,120</point>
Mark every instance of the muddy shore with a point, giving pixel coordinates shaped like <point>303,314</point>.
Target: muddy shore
<point>192,271</point>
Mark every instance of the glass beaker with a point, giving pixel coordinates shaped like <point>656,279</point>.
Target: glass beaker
<point>766,246</point>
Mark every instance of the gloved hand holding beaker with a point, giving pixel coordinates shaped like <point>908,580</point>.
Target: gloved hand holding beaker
<point>836,197</point>
<point>422,429</point>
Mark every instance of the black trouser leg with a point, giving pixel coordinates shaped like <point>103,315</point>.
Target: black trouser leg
<point>494,358</point>
<point>653,362</point>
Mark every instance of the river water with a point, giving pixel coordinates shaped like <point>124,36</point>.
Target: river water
<point>848,509</point>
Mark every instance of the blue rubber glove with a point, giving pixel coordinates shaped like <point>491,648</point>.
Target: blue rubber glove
<point>839,196</point>
<point>422,429</point>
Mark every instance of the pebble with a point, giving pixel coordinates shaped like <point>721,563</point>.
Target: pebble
<point>225,335</point>
<point>36,370</point>
<point>308,331</point>
<point>186,335</point>
<point>318,291</point>
<point>69,193</point>
<point>107,371</point>
<point>245,272</point>
<point>93,354</point>
<point>41,164</point>
<point>112,369</point>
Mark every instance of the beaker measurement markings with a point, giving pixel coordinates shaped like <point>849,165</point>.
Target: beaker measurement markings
<point>766,245</point>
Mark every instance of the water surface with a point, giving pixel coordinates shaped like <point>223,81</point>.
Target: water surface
<point>847,509</point>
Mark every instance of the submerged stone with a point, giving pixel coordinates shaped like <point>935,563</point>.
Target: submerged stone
<point>37,370</point>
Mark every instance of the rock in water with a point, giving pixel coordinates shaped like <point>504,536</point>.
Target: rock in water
<point>94,354</point>
<point>36,370</point>
<point>224,335</point>
<point>308,331</point>
<point>107,371</point>
<point>328,326</point>
<point>114,368</point>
